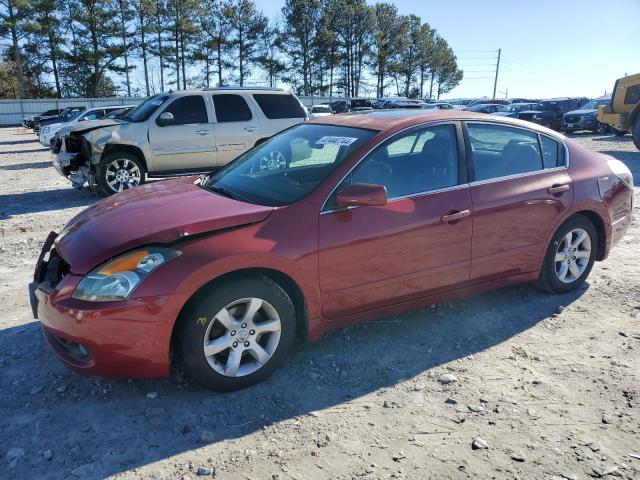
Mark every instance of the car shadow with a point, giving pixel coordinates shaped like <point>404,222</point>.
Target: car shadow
<point>104,427</point>
<point>613,138</point>
<point>30,150</point>
<point>26,165</point>
<point>31,202</point>
<point>17,142</point>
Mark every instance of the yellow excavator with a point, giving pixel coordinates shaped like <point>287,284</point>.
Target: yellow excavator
<point>623,113</point>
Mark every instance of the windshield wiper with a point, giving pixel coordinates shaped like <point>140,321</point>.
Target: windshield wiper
<point>223,191</point>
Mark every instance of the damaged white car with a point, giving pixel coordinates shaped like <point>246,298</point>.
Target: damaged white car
<point>178,133</point>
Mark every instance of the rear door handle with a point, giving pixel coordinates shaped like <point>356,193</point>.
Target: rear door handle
<point>250,129</point>
<point>203,132</point>
<point>456,215</point>
<point>556,189</point>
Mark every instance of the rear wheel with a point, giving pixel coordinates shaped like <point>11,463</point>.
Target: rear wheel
<point>570,256</point>
<point>618,133</point>
<point>119,171</point>
<point>237,334</point>
<point>601,128</point>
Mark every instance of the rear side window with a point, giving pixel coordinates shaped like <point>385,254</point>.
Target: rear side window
<point>231,108</point>
<point>550,152</point>
<point>500,151</point>
<point>188,109</point>
<point>279,106</point>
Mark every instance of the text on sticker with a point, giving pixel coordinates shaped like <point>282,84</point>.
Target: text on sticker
<point>342,141</point>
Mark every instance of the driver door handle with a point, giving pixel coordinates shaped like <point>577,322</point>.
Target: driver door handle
<point>250,129</point>
<point>455,215</point>
<point>203,132</point>
<point>556,189</point>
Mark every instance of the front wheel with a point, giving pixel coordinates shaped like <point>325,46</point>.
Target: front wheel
<point>618,133</point>
<point>636,133</point>
<point>601,128</point>
<point>119,171</point>
<point>570,256</point>
<point>237,334</point>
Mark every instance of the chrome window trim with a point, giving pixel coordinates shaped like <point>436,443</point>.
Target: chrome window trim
<point>431,123</point>
<point>467,184</point>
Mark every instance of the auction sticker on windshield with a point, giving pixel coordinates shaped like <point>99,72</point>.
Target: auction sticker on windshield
<point>342,141</point>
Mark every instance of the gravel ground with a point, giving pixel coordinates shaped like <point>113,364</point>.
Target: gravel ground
<point>510,384</point>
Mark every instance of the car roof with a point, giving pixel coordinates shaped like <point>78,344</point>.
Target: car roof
<point>394,120</point>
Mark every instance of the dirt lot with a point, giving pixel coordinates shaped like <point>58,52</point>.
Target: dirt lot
<point>549,384</point>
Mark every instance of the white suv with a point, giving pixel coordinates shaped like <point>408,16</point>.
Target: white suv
<point>177,133</point>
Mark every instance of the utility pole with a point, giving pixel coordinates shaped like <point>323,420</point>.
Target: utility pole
<point>495,82</point>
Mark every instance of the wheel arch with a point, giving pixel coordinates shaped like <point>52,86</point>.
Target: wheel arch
<point>131,149</point>
<point>289,285</point>
<point>599,225</point>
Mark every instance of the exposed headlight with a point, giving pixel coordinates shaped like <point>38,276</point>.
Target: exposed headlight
<point>621,171</point>
<point>45,129</point>
<point>118,278</point>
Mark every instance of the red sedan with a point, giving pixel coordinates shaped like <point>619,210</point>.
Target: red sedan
<point>332,222</point>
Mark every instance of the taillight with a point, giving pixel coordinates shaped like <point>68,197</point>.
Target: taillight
<point>621,171</point>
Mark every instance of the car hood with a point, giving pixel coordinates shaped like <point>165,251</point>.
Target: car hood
<point>581,112</point>
<point>82,127</point>
<point>160,212</point>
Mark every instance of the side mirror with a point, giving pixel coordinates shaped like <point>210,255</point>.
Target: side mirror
<point>164,119</point>
<point>362,195</point>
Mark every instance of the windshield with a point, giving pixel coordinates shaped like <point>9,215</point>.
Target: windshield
<point>288,166</point>
<point>321,109</point>
<point>517,107</point>
<point>143,111</point>
<point>594,104</point>
<point>71,115</point>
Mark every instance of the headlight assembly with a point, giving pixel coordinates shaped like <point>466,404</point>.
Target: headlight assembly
<point>118,278</point>
<point>45,129</point>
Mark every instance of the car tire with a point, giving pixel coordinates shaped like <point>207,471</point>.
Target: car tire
<point>564,267</point>
<point>601,128</point>
<point>238,355</point>
<point>119,171</point>
<point>618,133</point>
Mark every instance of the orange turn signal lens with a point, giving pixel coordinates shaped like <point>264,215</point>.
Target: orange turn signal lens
<point>125,263</point>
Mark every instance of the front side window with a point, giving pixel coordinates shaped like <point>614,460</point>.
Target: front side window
<point>500,151</point>
<point>416,162</point>
<point>91,116</point>
<point>289,165</point>
<point>231,108</point>
<point>279,106</point>
<point>188,110</point>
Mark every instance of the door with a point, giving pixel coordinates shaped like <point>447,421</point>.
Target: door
<point>189,143</point>
<point>417,244</point>
<point>237,127</point>
<point>522,188</point>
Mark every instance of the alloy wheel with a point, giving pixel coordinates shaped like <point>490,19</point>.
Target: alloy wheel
<point>573,255</point>
<point>122,174</point>
<point>242,337</point>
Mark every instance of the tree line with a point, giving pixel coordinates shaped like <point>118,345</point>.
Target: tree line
<point>90,48</point>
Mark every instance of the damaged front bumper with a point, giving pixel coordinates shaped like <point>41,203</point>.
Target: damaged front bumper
<point>73,166</point>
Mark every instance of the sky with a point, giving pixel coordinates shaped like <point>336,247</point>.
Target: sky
<point>549,47</point>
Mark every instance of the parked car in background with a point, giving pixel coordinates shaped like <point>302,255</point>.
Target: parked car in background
<point>524,100</point>
<point>178,133</point>
<point>47,132</point>
<point>586,117</point>
<point>550,113</point>
<point>460,103</point>
<point>406,104</point>
<point>317,111</point>
<point>442,105</point>
<point>382,102</point>
<point>485,108</point>
<point>485,101</point>
<point>66,115</point>
<point>29,121</point>
<point>224,272</point>
<point>360,104</point>
<point>515,108</point>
